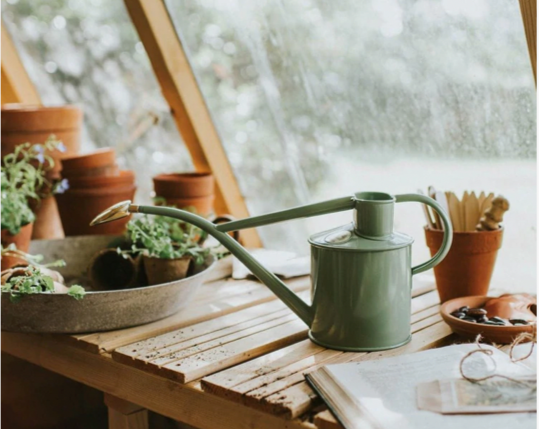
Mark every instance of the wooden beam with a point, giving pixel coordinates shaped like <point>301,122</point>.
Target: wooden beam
<point>124,414</point>
<point>528,9</point>
<point>185,403</point>
<point>16,84</point>
<point>180,88</point>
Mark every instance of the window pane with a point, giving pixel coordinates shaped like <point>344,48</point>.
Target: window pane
<point>318,99</point>
<point>88,52</point>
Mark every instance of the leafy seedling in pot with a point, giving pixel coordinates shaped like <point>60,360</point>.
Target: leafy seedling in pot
<point>167,247</point>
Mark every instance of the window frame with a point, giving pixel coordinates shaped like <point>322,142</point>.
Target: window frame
<point>180,89</point>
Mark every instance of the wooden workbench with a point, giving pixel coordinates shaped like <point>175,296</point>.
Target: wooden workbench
<point>236,358</point>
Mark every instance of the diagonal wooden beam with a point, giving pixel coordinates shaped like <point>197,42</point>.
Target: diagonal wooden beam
<point>528,9</point>
<point>180,88</point>
<point>16,84</point>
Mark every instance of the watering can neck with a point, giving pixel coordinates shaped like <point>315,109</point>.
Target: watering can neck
<point>373,215</point>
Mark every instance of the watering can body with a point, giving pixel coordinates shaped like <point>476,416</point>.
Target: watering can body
<point>361,272</point>
<point>361,298</point>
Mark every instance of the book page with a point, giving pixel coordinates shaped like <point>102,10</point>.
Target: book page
<point>386,388</point>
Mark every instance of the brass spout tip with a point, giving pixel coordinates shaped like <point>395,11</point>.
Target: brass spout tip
<point>115,212</point>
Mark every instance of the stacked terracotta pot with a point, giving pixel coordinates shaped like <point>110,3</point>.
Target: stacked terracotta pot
<point>34,124</point>
<point>193,191</point>
<point>95,184</point>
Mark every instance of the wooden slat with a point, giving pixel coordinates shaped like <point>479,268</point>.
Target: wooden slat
<point>528,9</point>
<point>423,314</point>
<point>180,88</point>
<point>221,382</point>
<point>277,377</point>
<point>297,399</point>
<point>204,348</point>
<point>163,345</point>
<point>177,401</point>
<point>259,382</point>
<point>236,352</point>
<point>255,293</point>
<point>326,420</point>
<point>16,84</point>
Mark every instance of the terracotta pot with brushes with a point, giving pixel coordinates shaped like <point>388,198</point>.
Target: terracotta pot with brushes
<point>467,269</point>
<point>186,190</point>
<point>34,124</point>
<point>21,240</point>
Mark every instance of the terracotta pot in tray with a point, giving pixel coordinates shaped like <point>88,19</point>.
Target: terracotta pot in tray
<point>165,270</point>
<point>21,240</point>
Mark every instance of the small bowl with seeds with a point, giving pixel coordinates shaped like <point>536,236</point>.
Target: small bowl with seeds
<point>498,319</point>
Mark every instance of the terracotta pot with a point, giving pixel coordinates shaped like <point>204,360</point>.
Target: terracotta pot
<point>183,185</point>
<point>21,240</point>
<point>47,224</point>
<point>123,179</point>
<point>108,170</point>
<point>165,270</point>
<point>202,205</point>
<point>101,162</point>
<point>467,268</point>
<point>108,270</point>
<point>34,124</point>
<point>78,207</point>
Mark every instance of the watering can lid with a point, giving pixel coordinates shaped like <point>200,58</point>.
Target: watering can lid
<point>344,238</point>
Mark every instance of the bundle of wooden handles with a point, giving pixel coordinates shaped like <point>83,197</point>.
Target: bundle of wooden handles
<point>471,213</point>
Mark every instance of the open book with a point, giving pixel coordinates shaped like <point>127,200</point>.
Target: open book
<point>382,394</point>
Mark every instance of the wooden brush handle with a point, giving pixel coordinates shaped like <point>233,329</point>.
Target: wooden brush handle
<point>490,221</point>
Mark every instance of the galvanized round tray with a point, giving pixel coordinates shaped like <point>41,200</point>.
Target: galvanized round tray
<point>98,310</point>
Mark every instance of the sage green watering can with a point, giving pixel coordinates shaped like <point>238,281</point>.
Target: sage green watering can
<point>361,272</point>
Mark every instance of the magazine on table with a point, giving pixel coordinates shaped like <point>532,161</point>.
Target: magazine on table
<point>425,390</point>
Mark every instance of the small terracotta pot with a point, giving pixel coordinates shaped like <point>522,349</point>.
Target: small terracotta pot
<point>21,240</point>
<point>47,224</point>
<point>165,270</point>
<point>467,268</point>
<point>34,124</point>
<point>101,162</point>
<point>108,270</point>
<point>124,178</point>
<point>202,205</point>
<point>78,207</point>
<point>183,185</point>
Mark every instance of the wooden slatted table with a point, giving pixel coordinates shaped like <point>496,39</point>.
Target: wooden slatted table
<point>235,358</point>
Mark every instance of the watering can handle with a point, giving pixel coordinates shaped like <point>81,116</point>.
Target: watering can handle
<point>448,229</point>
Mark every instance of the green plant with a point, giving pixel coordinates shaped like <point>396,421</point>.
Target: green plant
<point>33,281</point>
<point>24,179</point>
<point>165,238</point>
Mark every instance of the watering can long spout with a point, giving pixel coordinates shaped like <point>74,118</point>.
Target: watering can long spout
<point>296,304</point>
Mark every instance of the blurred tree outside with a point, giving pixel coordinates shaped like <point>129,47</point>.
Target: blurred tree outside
<point>296,88</point>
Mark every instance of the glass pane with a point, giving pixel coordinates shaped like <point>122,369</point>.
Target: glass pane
<point>317,99</point>
<point>88,52</point>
